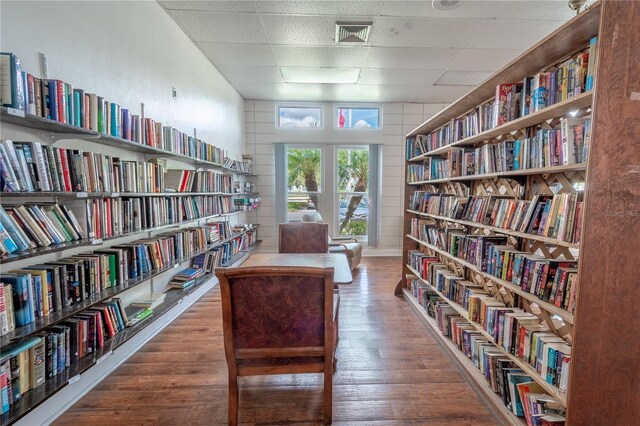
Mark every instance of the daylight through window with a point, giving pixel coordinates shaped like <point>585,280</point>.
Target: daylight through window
<point>301,117</point>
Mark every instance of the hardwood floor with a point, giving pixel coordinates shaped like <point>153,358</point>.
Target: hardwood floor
<point>391,371</point>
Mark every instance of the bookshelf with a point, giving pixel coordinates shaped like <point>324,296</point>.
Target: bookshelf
<point>194,212</point>
<point>596,392</point>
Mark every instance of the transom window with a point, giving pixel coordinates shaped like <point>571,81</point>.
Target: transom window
<point>357,117</point>
<point>299,117</point>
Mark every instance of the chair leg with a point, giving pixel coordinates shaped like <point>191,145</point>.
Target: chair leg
<point>328,395</point>
<point>233,400</point>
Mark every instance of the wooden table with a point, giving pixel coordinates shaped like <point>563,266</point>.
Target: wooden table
<point>342,273</point>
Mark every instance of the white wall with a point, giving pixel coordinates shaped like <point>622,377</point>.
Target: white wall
<point>397,120</point>
<point>128,52</point>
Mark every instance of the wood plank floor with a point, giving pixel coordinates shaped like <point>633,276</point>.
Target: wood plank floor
<point>390,371</point>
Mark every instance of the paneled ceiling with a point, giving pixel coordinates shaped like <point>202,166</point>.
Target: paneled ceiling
<point>286,50</point>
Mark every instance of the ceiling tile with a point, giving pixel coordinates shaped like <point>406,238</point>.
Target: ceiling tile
<point>399,76</point>
<point>443,94</point>
<point>346,8</point>
<point>484,59</point>
<point>300,30</point>
<point>528,33</point>
<point>462,78</point>
<point>220,27</point>
<point>465,9</point>
<point>237,54</point>
<point>411,57</point>
<point>266,91</point>
<point>320,75</point>
<point>321,56</point>
<point>243,73</point>
<point>403,32</point>
<point>557,10</point>
<point>215,6</point>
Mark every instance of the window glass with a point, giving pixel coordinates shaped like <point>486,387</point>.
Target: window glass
<point>353,187</point>
<point>303,182</point>
<point>299,117</point>
<point>358,118</point>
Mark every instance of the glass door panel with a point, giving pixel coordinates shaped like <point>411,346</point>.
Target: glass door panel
<point>304,180</point>
<point>353,191</point>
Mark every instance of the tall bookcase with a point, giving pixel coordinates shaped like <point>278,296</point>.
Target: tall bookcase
<point>602,329</point>
<point>47,396</point>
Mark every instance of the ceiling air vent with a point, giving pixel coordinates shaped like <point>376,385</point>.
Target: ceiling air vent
<point>352,32</point>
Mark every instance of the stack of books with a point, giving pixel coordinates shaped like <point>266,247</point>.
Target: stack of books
<point>186,278</point>
<point>150,301</point>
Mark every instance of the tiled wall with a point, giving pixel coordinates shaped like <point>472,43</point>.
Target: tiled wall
<point>397,120</point>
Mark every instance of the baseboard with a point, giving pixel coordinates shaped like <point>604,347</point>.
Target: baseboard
<point>373,252</point>
<point>54,407</point>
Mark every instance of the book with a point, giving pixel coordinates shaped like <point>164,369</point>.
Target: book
<point>12,91</point>
<point>150,301</point>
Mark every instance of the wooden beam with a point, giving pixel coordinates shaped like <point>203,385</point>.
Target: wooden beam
<point>605,368</point>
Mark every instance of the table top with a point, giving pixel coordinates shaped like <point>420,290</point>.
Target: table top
<point>342,273</point>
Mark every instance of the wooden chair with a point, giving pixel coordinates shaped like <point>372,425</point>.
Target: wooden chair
<point>279,320</point>
<point>303,237</point>
<point>347,245</point>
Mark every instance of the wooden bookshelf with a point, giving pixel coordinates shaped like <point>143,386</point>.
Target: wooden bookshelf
<point>559,109</point>
<point>512,173</point>
<point>13,257</point>
<point>42,323</point>
<point>549,307</point>
<point>604,368</point>
<point>52,194</point>
<point>60,131</point>
<point>56,133</point>
<point>552,390</point>
<point>468,368</point>
<point>497,230</point>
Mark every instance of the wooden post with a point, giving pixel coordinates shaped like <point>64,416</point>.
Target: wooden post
<point>605,366</point>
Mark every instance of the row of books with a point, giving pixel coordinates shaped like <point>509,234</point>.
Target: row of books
<point>519,392</point>
<point>40,290</point>
<point>514,100</point>
<point>430,169</point>
<point>556,216</point>
<point>243,166</point>
<point>558,83</point>
<point>30,166</point>
<point>230,248</point>
<point>60,101</point>
<point>243,187</point>
<point>245,236</point>
<point>26,227</point>
<point>418,172</point>
<point>29,364</point>
<point>113,217</point>
<point>198,181</point>
<point>246,203</point>
<point>553,281</point>
<point>542,148</point>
